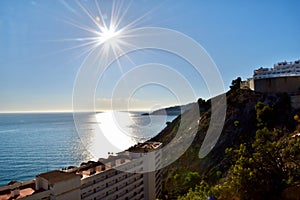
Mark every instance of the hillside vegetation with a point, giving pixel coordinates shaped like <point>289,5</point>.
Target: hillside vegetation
<point>256,157</point>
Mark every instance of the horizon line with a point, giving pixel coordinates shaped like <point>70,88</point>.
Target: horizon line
<point>97,110</point>
<point>71,111</point>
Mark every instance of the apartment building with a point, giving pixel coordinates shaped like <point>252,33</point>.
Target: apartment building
<point>118,177</point>
<point>284,77</point>
<point>281,69</point>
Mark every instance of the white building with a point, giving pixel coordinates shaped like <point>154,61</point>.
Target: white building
<point>118,178</point>
<point>281,69</point>
<point>60,184</point>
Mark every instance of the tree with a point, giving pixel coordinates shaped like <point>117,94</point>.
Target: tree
<point>264,114</point>
<point>185,179</point>
<point>236,84</point>
<point>260,168</point>
<point>264,166</point>
<point>264,169</point>
<point>203,105</point>
<point>201,192</point>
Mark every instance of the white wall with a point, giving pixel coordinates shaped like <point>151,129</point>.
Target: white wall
<point>69,189</point>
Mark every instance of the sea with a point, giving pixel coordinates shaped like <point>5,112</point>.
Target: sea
<point>33,143</point>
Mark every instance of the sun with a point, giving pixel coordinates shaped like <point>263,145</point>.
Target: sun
<point>107,34</point>
<point>107,31</point>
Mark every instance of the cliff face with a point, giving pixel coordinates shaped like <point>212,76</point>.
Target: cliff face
<point>239,127</point>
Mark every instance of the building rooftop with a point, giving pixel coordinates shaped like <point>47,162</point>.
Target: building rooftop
<point>57,176</point>
<point>23,193</point>
<point>24,189</point>
<point>144,147</point>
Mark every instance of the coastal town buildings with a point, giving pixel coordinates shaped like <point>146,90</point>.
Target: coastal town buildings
<point>118,177</point>
<point>284,77</point>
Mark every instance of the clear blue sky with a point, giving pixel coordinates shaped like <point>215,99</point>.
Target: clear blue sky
<point>37,71</point>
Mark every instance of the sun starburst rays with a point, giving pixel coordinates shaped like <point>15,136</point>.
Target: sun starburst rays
<point>105,28</point>
<point>108,35</point>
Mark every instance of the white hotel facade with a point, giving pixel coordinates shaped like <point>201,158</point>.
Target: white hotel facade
<point>283,77</point>
<point>118,178</point>
<point>281,69</point>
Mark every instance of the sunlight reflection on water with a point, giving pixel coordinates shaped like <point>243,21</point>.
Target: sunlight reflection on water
<point>123,129</point>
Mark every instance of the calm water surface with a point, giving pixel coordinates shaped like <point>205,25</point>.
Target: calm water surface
<point>35,143</point>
